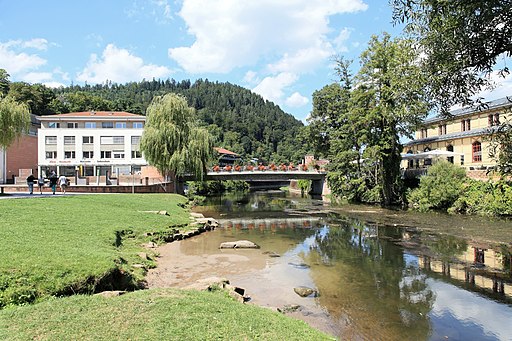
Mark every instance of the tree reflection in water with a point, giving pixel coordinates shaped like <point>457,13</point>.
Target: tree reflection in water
<point>377,284</point>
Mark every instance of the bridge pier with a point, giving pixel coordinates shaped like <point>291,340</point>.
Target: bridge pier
<point>317,186</point>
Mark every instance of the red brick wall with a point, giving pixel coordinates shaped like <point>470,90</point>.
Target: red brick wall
<point>22,154</point>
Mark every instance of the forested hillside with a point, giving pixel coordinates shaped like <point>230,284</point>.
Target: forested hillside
<point>238,119</point>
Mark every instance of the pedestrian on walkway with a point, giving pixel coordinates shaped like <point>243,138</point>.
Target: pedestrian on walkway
<point>53,182</point>
<point>30,183</point>
<point>40,183</point>
<point>63,182</point>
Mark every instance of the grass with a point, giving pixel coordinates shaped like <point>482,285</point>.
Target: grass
<point>158,314</point>
<point>68,244</point>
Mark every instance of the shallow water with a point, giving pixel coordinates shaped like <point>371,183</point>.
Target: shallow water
<point>375,281</point>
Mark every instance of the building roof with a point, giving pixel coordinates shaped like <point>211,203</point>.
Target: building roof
<point>224,151</point>
<point>496,104</point>
<point>451,136</point>
<point>92,114</point>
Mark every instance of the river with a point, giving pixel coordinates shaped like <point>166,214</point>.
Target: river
<point>377,274</point>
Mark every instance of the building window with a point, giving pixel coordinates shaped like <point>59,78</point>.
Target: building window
<point>442,129</point>
<point>120,125</point>
<point>69,155</point>
<point>118,139</point>
<point>90,125</point>
<point>465,125</point>
<point>118,154</point>
<point>50,140</point>
<point>136,154</point>
<point>51,155</point>
<point>107,124</point>
<point>112,140</point>
<point>424,134</point>
<point>87,155</point>
<point>462,160</point>
<point>54,125</point>
<point>493,120</point>
<point>72,125</point>
<point>477,151</point>
<point>138,125</point>
<point>106,154</point>
<point>69,140</point>
<point>87,139</point>
<point>136,140</point>
<point>449,148</point>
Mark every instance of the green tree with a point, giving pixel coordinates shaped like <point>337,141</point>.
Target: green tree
<point>500,147</point>
<point>462,41</point>
<point>4,82</point>
<point>383,102</point>
<point>14,120</point>
<point>172,140</point>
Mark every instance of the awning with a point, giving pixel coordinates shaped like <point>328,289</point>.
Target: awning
<point>430,154</point>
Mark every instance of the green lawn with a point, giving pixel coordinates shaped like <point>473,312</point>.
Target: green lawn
<point>66,244</point>
<point>158,314</point>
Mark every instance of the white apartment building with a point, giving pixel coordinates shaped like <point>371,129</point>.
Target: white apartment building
<point>90,143</point>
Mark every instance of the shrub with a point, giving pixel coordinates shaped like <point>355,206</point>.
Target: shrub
<point>439,188</point>
<point>485,198</point>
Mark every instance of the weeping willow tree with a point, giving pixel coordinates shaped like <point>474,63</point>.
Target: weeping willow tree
<point>14,120</point>
<point>172,142</point>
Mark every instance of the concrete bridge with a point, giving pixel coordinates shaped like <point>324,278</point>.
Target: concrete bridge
<point>317,178</point>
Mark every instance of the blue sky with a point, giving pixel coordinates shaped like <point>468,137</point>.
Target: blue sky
<point>281,50</point>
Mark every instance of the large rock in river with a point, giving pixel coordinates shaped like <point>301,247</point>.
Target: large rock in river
<point>239,244</point>
<point>305,291</point>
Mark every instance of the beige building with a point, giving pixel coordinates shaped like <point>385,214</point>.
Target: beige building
<point>463,133</point>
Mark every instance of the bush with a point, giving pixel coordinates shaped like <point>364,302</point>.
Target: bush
<point>439,188</point>
<point>485,198</point>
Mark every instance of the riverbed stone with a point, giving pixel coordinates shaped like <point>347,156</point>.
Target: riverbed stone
<point>305,291</point>
<point>272,254</point>
<point>239,244</point>
<point>289,308</point>
<point>113,293</point>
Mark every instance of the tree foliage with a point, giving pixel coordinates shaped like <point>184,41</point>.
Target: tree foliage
<point>14,120</point>
<point>172,141</point>
<point>500,147</point>
<point>369,114</point>
<point>462,40</point>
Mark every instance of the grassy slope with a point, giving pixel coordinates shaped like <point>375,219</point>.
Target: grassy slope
<point>159,314</point>
<point>56,244</point>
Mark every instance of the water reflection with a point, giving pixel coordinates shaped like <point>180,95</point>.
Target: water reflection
<point>375,281</point>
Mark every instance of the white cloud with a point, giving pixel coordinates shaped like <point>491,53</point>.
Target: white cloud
<point>119,65</point>
<point>159,10</point>
<point>251,77</point>
<point>37,77</point>
<point>272,88</point>
<point>54,84</point>
<point>232,33</point>
<point>15,61</point>
<point>302,61</point>
<point>503,87</point>
<point>296,100</point>
<point>37,43</point>
<point>341,40</point>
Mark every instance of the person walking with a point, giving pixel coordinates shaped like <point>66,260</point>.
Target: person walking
<point>53,182</point>
<point>63,182</point>
<point>40,183</point>
<point>30,183</point>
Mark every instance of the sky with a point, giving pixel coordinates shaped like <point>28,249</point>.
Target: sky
<point>280,49</point>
